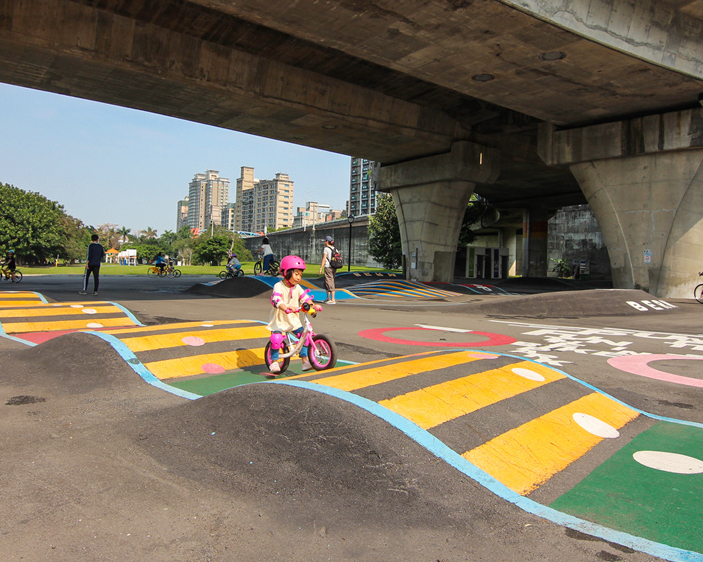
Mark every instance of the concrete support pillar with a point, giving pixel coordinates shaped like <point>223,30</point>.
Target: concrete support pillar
<point>650,210</point>
<point>430,196</point>
<point>535,230</point>
<point>644,181</point>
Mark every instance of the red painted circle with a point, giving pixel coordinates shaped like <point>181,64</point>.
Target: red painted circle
<point>491,338</point>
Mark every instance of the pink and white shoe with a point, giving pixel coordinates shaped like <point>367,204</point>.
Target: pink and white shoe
<point>306,365</point>
<point>274,368</point>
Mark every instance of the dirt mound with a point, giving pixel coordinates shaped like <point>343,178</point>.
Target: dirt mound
<point>239,287</point>
<point>576,304</point>
<point>75,363</point>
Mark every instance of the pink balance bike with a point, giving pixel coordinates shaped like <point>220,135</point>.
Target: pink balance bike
<point>322,353</point>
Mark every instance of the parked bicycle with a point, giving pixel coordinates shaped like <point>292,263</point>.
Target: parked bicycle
<point>272,270</point>
<point>12,276</point>
<point>322,352</point>
<point>698,291</point>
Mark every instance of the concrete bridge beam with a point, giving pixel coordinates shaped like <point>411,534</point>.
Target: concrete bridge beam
<point>644,181</point>
<point>431,195</point>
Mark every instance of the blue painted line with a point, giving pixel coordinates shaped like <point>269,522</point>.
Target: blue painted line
<point>139,368</point>
<point>440,450</point>
<point>127,313</point>
<point>5,335</point>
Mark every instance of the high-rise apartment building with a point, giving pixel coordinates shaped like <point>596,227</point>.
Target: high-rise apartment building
<point>182,213</point>
<point>228,216</point>
<point>208,195</point>
<point>362,192</point>
<point>263,205</point>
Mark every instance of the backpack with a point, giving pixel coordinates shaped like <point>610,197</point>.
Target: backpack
<point>336,262</point>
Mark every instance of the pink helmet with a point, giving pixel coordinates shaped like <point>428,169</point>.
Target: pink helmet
<point>291,262</point>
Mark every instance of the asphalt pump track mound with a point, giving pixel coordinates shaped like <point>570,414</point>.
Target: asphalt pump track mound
<point>99,465</point>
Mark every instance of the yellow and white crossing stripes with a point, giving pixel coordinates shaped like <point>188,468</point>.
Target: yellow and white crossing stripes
<point>522,458</point>
<point>434,405</point>
<point>73,316</point>
<point>529,455</point>
<point>19,298</point>
<point>401,288</point>
<point>176,339</point>
<point>190,366</point>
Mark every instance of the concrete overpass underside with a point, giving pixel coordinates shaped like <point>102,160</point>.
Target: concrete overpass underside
<point>417,86</point>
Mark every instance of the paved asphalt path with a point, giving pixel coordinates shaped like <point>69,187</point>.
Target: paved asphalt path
<point>643,353</point>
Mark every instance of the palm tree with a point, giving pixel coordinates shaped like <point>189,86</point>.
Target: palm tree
<point>124,232</point>
<point>149,233</point>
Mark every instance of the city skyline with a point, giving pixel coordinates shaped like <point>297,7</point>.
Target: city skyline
<point>107,164</point>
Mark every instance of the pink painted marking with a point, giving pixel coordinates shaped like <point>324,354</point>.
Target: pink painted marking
<point>193,340</point>
<point>639,365</point>
<point>378,334</point>
<point>213,368</point>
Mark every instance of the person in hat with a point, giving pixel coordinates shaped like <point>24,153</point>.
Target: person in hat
<point>325,265</point>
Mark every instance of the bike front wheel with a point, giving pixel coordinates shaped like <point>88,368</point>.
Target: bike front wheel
<point>17,276</point>
<point>151,272</point>
<point>282,363</point>
<point>698,293</point>
<point>322,353</point>
<point>257,268</point>
<point>176,273</point>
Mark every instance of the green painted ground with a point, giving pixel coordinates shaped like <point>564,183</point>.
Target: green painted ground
<point>625,495</point>
<point>215,383</point>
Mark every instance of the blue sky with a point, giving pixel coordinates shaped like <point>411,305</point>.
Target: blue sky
<point>108,164</point>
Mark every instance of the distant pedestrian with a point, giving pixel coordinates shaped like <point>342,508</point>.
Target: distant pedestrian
<point>326,266</point>
<point>96,253</point>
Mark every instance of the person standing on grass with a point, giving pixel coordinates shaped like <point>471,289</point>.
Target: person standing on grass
<point>326,265</point>
<point>96,253</point>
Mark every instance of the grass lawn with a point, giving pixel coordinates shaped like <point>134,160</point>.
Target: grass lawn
<point>112,269</point>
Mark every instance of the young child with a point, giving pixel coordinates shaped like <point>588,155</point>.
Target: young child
<point>234,265</point>
<point>287,297</point>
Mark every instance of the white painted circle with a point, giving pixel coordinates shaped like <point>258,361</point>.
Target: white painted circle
<point>89,311</point>
<point>207,325</point>
<point>528,374</point>
<point>669,462</point>
<point>94,325</point>
<point>57,304</point>
<point>76,306</point>
<point>595,426</point>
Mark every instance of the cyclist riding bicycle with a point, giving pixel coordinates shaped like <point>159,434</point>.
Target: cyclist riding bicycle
<point>8,265</point>
<point>268,254</point>
<point>234,265</point>
<point>288,297</point>
<point>160,261</point>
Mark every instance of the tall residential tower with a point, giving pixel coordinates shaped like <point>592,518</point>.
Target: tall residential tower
<point>263,205</point>
<point>208,195</point>
<point>362,192</point>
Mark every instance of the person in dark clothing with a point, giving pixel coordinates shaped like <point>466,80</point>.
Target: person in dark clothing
<point>92,265</point>
<point>9,265</point>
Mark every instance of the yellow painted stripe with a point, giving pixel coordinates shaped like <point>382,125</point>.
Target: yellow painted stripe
<point>25,327</point>
<point>433,405</point>
<point>58,311</point>
<point>7,303</point>
<point>175,326</point>
<point>189,366</point>
<point>161,341</point>
<point>529,455</point>
<point>378,375</point>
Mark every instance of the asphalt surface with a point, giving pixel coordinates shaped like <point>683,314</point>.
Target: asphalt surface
<point>325,466</point>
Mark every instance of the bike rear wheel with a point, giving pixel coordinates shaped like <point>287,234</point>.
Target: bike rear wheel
<point>322,353</point>
<point>273,268</point>
<point>222,275</point>
<point>282,363</point>
<point>152,272</point>
<point>698,293</point>
<point>17,276</point>
<point>240,273</point>
<point>257,268</point>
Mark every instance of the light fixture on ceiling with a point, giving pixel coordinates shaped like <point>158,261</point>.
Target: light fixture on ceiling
<point>483,77</point>
<point>552,55</point>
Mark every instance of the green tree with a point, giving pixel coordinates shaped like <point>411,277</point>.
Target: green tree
<point>384,234</point>
<point>212,249</point>
<point>124,232</point>
<point>31,224</point>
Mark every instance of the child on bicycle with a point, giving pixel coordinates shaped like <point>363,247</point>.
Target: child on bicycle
<point>287,298</point>
<point>234,265</point>
<point>9,265</point>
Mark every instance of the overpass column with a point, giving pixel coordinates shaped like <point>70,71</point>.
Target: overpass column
<point>644,181</point>
<point>535,230</point>
<point>431,195</point>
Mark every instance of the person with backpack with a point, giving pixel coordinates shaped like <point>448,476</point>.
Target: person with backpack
<point>330,258</point>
